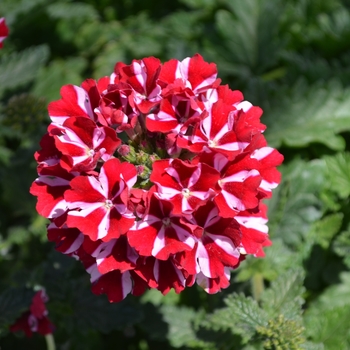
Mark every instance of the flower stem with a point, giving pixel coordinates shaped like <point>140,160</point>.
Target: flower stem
<point>50,342</point>
<point>142,121</point>
<point>257,286</point>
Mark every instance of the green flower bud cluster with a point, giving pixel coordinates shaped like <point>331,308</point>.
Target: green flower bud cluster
<point>25,112</point>
<point>142,160</point>
<point>282,334</point>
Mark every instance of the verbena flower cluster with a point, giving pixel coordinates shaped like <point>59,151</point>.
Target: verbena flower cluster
<point>35,320</point>
<point>153,177</point>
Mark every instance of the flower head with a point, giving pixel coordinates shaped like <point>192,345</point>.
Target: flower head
<point>154,177</point>
<point>35,319</point>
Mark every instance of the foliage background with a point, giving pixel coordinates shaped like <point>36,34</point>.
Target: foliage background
<point>292,58</point>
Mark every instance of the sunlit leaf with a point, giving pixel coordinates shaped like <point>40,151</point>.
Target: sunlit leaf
<point>285,295</point>
<point>21,68</point>
<point>308,114</point>
<point>296,205</point>
<point>241,316</point>
<point>338,173</point>
<point>61,72</point>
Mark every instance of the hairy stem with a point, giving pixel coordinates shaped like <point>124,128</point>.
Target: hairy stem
<point>257,286</point>
<point>50,342</point>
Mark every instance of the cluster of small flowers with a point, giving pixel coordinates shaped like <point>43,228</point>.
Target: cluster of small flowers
<point>153,177</point>
<point>4,31</point>
<point>35,319</point>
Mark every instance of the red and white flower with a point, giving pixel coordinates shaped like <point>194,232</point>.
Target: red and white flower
<point>35,320</point>
<point>161,274</point>
<point>193,72</point>
<point>98,206</point>
<point>254,231</point>
<point>154,177</point>
<point>83,143</point>
<point>217,239</point>
<point>142,77</point>
<point>68,240</point>
<point>239,186</point>
<point>160,233</point>
<point>173,112</point>
<point>49,187</point>
<point>187,186</point>
<point>114,108</point>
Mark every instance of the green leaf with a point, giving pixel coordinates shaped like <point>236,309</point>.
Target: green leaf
<point>15,181</point>
<point>5,155</point>
<point>277,322</point>
<point>134,40</point>
<point>338,173</point>
<point>276,262</point>
<point>323,230</point>
<point>242,315</point>
<point>177,324</point>
<point>327,318</point>
<point>21,68</point>
<point>69,11</point>
<point>180,322</point>
<point>104,63</point>
<point>285,295</point>
<point>250,33</point>
<point>311,67</point>
<point>74,308</point>
<point>328,326</point>
<point>58,73</point>
<point>199,4</point>
<point>341,246</point>
<point>155,297</point>
<point>258,346</point>
<point>153,322</point>
<point>218,340</point>
<point>102,316</point>
<point>312,346</point>
<point>337,295</point>
<point>296,205</point>
<point>94,35</point>
<point>13,9</point>
<point>335,31</point>
<point>13,302</point>
<point>307,114</point>
<point>95,312</point>
<point>184,26</point>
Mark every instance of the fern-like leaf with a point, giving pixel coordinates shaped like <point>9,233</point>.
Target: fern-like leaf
<point>285,295</point>
<point>242,315</point>
<point>316,113</point>
<point>339,173</point>
<point>21,68</point>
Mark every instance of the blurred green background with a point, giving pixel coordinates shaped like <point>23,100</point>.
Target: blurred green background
<point>292,58</point>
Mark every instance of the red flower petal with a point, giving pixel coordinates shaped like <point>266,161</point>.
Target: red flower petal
<point>75,102</point>
<point>4,31</point>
